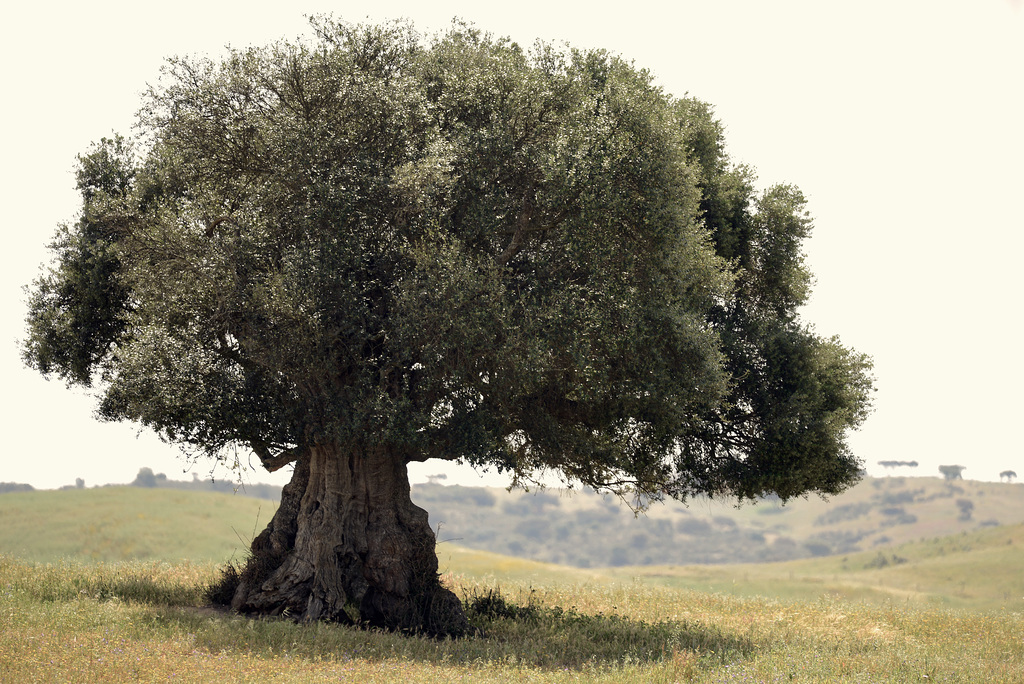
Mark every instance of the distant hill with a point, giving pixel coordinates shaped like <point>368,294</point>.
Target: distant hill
<point>147,478</point>
<point>169,521</point>
<point>588,530</point>
<point>977,570</point>
<point>972,569</point>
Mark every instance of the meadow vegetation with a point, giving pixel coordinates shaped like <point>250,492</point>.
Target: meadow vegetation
<point>136,621</point>
<point>945,609</point>
<point>976,571</point>
<point>129,523</point>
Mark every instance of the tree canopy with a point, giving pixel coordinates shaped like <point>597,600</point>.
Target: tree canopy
<point>449,247</point>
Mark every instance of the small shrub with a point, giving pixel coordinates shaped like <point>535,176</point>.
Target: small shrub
<point>842,513</point>
<point>818,549</point>
<point>901,497</point>
<point>724,522</point>
<point>536,529</point>
<point>481,497</point>
<point>491,605</point>
<point>222,591</point>
<point>897,516</point>
<point>883,561</point>
<point>639,541</point>
<point>619,557</point>
<point>694,526</point>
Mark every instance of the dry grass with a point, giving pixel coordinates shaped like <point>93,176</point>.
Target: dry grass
<point>145,622</point>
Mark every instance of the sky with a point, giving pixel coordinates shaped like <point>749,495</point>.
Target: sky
<point>901,120</point>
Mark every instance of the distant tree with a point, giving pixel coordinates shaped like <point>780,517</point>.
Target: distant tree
<point>8,487</point>
<point>371,249</point>
<point>898,464</point>
<point>480,496</point>
<point>436,479</point>
<point>882,561</point>
<point>1008,475</point>
<point>639,541</point>
<point>952,472</point>
<point>620,556</point>
<point>145,478</point>
<point>966,507</point>
<point>79,483</point>
<point>818,548</point>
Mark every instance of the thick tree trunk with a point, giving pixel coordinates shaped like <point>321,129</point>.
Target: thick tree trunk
<point>347,544</point>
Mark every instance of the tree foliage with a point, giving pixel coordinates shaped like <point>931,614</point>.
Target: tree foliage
<point>452,247</point>
<point>952,472</point>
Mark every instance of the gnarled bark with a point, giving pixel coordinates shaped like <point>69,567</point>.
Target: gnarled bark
<point>348,545</point>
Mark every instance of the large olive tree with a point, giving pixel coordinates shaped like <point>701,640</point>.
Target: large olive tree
<point>373,248</point>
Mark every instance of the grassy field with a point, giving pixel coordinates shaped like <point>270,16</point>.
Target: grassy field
<point>129,523</point>
<point>147,622</point>
<point>948,609</point>
<point>979,570</point>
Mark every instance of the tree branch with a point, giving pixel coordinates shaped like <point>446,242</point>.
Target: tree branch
<point>271,462</point>
<point>513,248</point>
<point>526,225</point>
<point>212,226</point>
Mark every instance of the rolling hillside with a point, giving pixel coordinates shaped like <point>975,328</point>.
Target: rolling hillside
<point>587,530</point>
<point>579,529</point>
<point>976,569</point>
<point>129,523</point>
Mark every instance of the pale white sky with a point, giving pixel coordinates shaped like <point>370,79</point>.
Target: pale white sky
<point>903,122</point>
